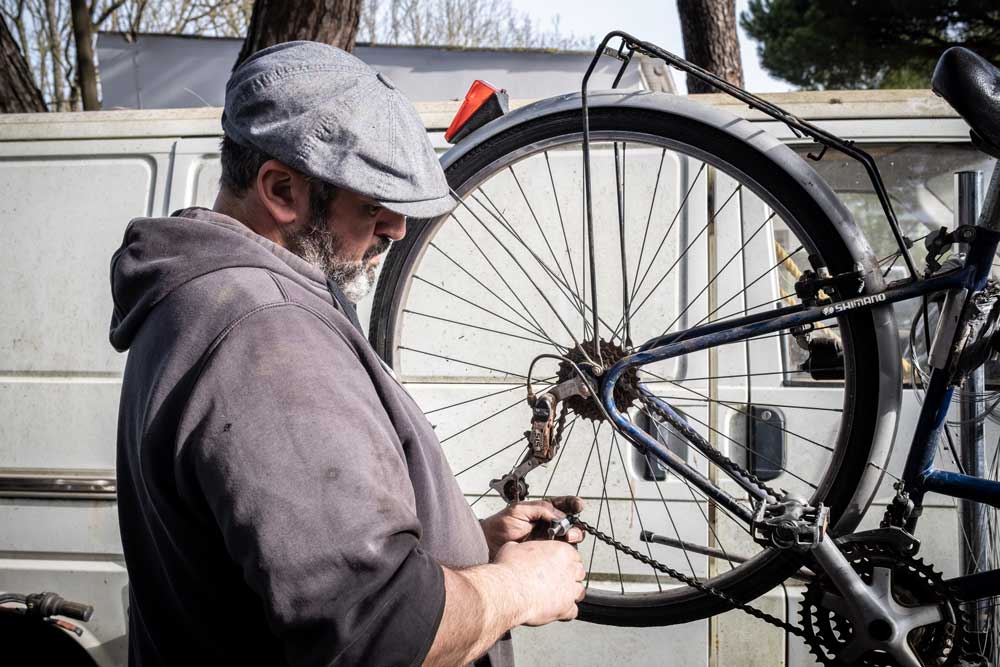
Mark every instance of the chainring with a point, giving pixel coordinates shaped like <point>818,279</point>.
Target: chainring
<point>913,583</point>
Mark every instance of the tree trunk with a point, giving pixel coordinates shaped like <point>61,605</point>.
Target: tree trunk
<point>86,70</point>
<point>55,55</point>
<point>710,41</point>
<point>18,92</point>
<point>274,21</point>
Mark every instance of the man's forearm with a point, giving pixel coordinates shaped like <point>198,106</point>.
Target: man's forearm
<point>480,606</point>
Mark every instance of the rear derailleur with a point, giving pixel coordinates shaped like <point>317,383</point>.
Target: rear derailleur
<point>544,437</point>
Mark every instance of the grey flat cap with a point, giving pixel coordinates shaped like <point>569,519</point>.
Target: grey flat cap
<point>327,114</point>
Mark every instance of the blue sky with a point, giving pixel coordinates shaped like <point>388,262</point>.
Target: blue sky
<point>654,21</point>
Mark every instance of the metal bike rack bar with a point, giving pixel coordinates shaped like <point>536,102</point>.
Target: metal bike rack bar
<point>974,550</point>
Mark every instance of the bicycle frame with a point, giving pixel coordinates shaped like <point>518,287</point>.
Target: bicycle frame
<point>919,475</point>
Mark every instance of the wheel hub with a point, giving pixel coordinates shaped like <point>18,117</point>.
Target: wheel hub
<point>626,390</point>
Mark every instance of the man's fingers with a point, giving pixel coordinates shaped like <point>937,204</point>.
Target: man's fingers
<point>574,536</point>
<point>568,504</point>
<point>535,510</point>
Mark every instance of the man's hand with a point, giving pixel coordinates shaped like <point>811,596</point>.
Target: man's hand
<point>550,575</point>
<point>529,520</point>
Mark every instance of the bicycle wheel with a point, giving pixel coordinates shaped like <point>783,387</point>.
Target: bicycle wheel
<point>715,225</point>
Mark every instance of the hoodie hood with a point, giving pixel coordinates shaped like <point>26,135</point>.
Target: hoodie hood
<point>159,255</point>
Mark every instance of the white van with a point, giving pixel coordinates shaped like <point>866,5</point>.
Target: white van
<point>69,183</point>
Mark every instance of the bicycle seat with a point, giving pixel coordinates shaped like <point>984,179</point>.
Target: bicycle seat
<point>971,85</point>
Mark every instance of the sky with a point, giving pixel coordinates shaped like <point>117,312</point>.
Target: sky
<point>649,20</point>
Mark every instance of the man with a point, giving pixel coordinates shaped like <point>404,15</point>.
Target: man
<point>282,499</point>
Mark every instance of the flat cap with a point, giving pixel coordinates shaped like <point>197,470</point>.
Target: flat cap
<point>326,113</point>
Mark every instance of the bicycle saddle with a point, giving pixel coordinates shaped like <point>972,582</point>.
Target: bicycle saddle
<point>971,85</point>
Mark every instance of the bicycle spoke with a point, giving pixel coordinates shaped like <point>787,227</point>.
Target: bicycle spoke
<point>519,401</point>
<point>692,490</point>
<point>473,326</point>
<point>564,289</point>
<point>649,216</point>
<point>562,225</point>
<point>534,217</point>
<point>461,361</point>
<point>562,450</point>
<point>768,404</point>
<point>730,405</point>
<point>607,503</point>
<point>740,375</point>
<point>600,506</point>
<point>475,399</point>
<point>738,253</point>
<point>495,212</point>
<point>747,287</point>
<point>495,270</point>
<point>673,526</point>
<point>682,255</point>
<point>620,189</point>
<point>519,266</point>
<point>485,310</point>
<point>635,505</point>
<point>490,291</point>
<point>489,456</point>
<point>747,449</point>
<point>680,207</point>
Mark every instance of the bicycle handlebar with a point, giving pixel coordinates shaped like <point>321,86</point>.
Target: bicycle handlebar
<point>44,605</point>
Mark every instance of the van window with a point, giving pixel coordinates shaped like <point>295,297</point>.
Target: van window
<point>920,180</point>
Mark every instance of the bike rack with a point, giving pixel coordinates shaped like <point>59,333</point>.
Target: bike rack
<point>972,530</point>
<point>630,45</point>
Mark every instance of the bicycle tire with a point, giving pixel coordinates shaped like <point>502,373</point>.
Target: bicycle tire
<point>804,205</point>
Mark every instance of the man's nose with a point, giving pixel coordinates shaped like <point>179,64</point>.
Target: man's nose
<point>392,225</point>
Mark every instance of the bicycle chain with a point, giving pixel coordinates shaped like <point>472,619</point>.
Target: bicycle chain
<point>723,461</point>
<point>683,578</point>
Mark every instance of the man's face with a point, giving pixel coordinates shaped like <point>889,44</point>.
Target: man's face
<point>346,237</point>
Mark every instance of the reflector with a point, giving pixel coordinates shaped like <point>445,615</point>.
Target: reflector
<point>482,104</point>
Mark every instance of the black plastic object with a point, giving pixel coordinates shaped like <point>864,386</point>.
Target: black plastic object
<point>826,358</point>
<point>650,468</point>
<point>766,450</point>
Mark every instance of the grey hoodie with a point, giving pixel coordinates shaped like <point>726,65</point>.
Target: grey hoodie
<point>282,499</point>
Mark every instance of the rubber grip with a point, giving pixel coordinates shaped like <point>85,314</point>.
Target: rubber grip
<point>76,610</point>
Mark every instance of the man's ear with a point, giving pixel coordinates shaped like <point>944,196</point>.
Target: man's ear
<point>283,191</point>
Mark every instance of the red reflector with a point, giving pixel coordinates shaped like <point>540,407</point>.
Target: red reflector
<point>479,94</point>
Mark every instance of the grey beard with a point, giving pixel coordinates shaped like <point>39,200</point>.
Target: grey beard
<point>319,246</point>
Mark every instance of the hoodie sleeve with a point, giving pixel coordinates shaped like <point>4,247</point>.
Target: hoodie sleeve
<point>292,451</point>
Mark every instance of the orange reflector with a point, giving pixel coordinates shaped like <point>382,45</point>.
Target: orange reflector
<point>480,93</point>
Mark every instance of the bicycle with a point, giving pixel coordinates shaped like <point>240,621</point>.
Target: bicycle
<point>679,371</point>
<point>41,620</point>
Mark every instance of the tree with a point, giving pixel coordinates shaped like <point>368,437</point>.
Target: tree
<point>857,44</point>
<point>56,42</point>
<point>62,66</point>
<point>86,68</point>
<point>19,92</point>
<point>273,21</point>
<point>461,23</point>
<point>708,28</point>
